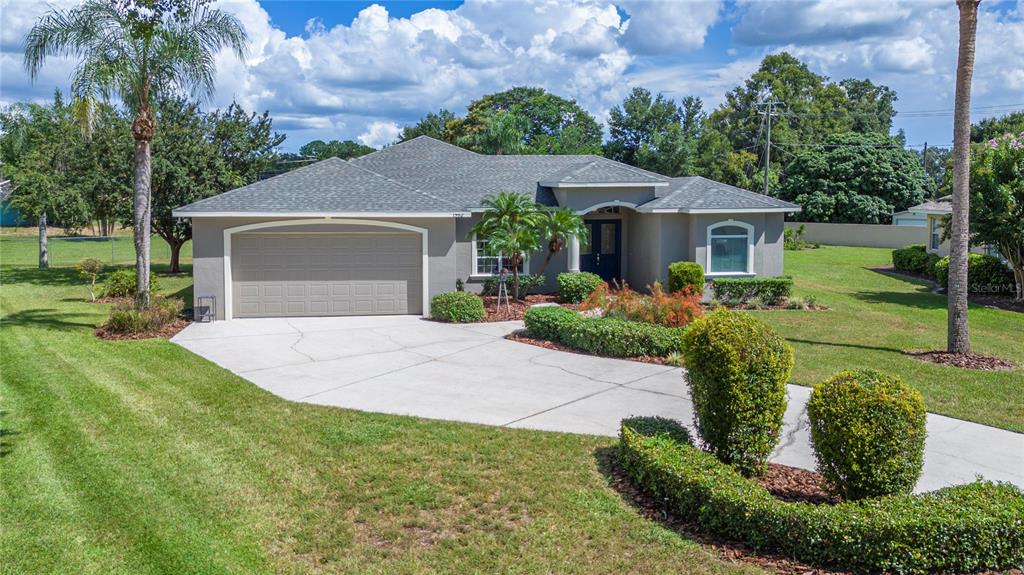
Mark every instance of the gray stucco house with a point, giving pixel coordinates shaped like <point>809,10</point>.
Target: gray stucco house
<point>383,233</point>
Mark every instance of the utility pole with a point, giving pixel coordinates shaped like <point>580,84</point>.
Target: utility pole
<point>769,111</point>
<point>924,157</point>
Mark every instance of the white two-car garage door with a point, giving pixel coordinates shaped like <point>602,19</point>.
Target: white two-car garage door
<point>319,274</point>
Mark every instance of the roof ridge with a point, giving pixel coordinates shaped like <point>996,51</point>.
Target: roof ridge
<point>420,137</point>
<point>274,177</point>
<point>629,167</point>
<point>410,188</point>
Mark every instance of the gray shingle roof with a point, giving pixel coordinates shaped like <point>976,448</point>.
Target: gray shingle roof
<point>332,185</point>
<point>941,205</point>
<point>427,175</point>
<point>697,193</point>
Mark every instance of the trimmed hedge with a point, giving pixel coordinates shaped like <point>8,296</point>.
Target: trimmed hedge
<point>457,307</point>
<point>771,291</point>
<point>601,335</point>
<point>959,529</point>
<point>914,259</point>
<point>682,275</point>
<point>985,274</point>
<point>655,426</point>
<point>574,287</point>
<point>548,322</point>
<point>527,283</point>
<point>737,369</point>
<point>868,432</point>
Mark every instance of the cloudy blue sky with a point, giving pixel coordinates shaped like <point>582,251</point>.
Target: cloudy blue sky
<point>361,70</point>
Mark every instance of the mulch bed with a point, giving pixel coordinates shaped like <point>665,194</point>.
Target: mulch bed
<point>517,308</point>
<point>797,484</point>
<point>521,337</point>
<point>963,360</point>
<point>167,332</point>
<point>787,483</point>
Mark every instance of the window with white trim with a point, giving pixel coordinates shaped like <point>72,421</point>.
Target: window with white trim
<point>730,248</point>
<point>485,264</point>
<point>935,235</point>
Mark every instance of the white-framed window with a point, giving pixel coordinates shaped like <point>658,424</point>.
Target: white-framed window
<point>485,264</point>
<point>730,248</point>
<point>934,233</point>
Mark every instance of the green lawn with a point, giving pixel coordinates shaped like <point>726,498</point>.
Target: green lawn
<point>140,457</point>
<point>874,318</point>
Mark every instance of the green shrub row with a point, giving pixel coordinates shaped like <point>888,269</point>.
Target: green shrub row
<point>527,284</point>
<point>602,336</point>
<point>683,275</point>
<point>121,283</point>
<point>985,274</point>
<point>769,291</point>
<point>868,432</point>
<point>574,287</point>
<point>914,259</point>
<point>959,529</point>
<point>737,369</point>
<point>457,307</point>
<point>124,318</point>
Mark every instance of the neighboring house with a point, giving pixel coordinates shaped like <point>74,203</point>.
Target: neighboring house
<point>8,216</point>
<point>935,210</point>
<point>383,233</point>
<point>910,217</point>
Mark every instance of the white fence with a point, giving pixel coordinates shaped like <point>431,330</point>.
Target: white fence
<point>862,235</point>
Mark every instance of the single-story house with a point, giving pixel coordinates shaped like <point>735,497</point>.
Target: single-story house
<point>935,210</point>
<point>383,233</point>
<point>910,217</point>
<point>9,216</point>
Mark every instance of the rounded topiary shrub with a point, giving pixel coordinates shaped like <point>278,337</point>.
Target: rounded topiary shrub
<point>549,322</point>
<point>737,369</point>
<point>457,307</point>
<point>574,287</point>
<point>683,275</point>
<point>868,432</point>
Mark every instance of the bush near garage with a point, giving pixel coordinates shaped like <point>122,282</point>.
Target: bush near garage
<point>574,287</point>
<point>126,319</point>
<point>769,291</point>
<point>457,307</point>
<point>868,433</point>
<point>122,283</point>
<point>602,336</point>
<point>527,284</point>
<point>985,274</point>
<point>685,275</point>
<point>737,369</point>
<point>961,529</point>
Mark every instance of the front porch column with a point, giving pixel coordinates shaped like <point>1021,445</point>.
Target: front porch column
<point>574,254</point>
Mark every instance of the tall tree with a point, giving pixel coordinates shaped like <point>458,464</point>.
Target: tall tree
<point>554,125</point>
<point>958,335</point>
<point>434,124</point>
<point>139,50</point>
<point>197,155</point>
<point>322,150</point>
<point>871,106</point>
<point>855,178</point>
<point>640,120</point>
<point>502,134</point>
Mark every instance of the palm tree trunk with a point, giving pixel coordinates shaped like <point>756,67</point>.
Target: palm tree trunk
<point>44,243</point>
<point>140,219</point>
<point>958,336</point>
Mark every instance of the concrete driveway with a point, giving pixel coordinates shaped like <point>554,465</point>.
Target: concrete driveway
<point>409,366</point>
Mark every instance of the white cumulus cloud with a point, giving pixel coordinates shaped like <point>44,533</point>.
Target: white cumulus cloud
<point>378,134</point>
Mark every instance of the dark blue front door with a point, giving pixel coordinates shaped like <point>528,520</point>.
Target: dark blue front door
<point>601,254</point>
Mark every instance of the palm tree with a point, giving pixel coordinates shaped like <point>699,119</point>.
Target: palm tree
<point>138,50</point>
<point>958,336</point>
<point>503,134</point>
<point>511,225</point>
<point>559,226</point>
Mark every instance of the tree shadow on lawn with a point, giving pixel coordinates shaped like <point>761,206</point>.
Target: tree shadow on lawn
<point>48,319</point>
<point>5,435</point>
<point>850,345</point>
<point>36,276</point>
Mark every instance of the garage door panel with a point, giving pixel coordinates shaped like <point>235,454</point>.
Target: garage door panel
<point>326,274</point>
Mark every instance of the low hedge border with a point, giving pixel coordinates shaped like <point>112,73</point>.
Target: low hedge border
<point>914,259</point>
<point>771,291</point>
<point>610,337</point>
<point>959,529</point>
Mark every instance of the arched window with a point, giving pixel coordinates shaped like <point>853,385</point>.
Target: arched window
<point>730,248</point>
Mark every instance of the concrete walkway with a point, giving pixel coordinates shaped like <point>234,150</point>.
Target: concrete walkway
<point>408,366</point>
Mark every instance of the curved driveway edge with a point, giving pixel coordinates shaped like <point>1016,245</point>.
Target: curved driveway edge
<point>405,365</point>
